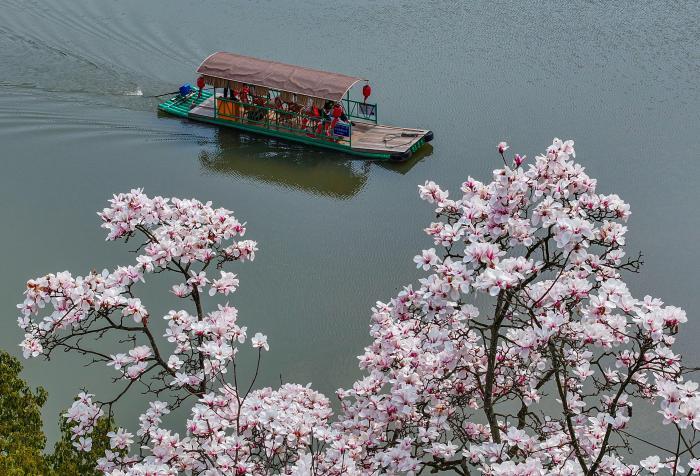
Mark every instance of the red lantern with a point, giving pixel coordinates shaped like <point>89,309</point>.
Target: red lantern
<point>200,82</point>
<point>366,91</point>
<point>337,111</point>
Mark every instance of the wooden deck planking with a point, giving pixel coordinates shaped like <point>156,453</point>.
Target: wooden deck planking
<point>383,138</point>
<point>205,109</point>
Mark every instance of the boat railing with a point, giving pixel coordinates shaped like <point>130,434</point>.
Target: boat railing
<point>280,120</point>
<point>360,110</point>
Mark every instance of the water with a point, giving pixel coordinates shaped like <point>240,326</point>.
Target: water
<point>335,234</point>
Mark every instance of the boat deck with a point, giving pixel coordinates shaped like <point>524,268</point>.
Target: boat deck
<point>204,109</point>
<point>381,138</point>
<point>181,107</point>
<point>366,138</point>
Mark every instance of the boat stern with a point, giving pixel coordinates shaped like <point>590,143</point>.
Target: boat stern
<point>180,106</point>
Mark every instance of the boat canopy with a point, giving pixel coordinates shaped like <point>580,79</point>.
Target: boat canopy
<point>220,69</point>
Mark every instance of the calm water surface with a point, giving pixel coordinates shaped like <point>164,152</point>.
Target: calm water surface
<point>621,78</point>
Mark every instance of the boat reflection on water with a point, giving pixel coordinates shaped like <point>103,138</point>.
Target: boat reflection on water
<point>293,166</point>
<point>404,167</point>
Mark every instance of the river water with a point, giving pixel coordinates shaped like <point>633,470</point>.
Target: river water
<point>335,235</point>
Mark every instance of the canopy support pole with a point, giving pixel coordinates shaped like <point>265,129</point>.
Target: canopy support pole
<point>347,103</point>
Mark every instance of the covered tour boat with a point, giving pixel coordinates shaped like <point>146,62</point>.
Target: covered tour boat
<point>294,103</point>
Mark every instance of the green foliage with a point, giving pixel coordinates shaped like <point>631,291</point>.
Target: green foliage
<point>22,439</point>
<point>66,460</point>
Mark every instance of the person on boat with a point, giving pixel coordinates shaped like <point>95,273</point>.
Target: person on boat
<point>245,94</point>
<point>314,119</point>
<point>327,109</point>
<point>332,114</point>
<point>339,117</point>
<point>200,84</point>
<point>326,118</point>
<point>343,117</point>
<point>280,109</point>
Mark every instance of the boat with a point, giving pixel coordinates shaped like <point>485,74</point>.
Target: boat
<point>293,103</point>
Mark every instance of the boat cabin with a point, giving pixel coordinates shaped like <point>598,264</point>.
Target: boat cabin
<point>294,103</point>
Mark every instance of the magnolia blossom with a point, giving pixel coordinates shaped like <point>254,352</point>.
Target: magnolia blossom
<point>224,285</point>
<point>427,259</point>
<point>121,439</point>
<point>31,346</point>
<point>260,341</point>
<point>83,444</point>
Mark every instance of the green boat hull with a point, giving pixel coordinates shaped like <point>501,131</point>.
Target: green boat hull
<point>181,107</point>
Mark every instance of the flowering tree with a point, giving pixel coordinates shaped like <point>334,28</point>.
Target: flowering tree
<point>233,428</point>
<point>541,382</point>
<point>544,381</point>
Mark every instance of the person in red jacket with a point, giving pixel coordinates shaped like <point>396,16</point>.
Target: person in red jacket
<point>200,85</point>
